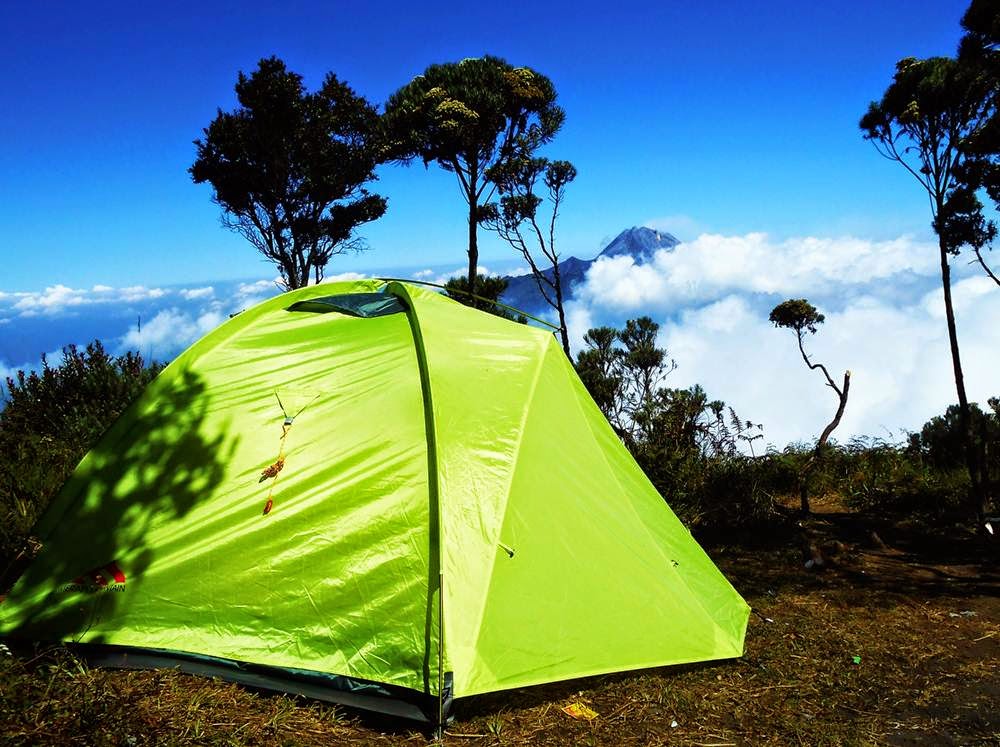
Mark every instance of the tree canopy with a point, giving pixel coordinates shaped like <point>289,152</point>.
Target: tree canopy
<point>926,117</point>
<point>468,116</point>
<point>288,168</point>
<point>797,314</point>
<point>623,369</point>
<point>979,55</point>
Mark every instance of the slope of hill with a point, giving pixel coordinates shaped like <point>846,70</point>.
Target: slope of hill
<point>638,242</point>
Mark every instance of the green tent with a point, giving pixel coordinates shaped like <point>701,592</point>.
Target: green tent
<point>301,498</point>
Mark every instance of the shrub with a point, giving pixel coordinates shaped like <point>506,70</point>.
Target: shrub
<point>51,419</point>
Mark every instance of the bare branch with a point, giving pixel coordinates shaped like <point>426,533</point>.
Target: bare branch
<point>982,261</point>
<point>813,366</point>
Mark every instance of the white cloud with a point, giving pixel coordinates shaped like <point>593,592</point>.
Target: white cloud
<point>429,276</point>
<point>58,299</point>
<point>884,321</point>
<point>52,300</point>
<point>169,332</point>
<point>7,372</point>
<point>341,277</point>
<point>713,266</point>
<point>191,294</point>
<point>250,294</point>
<point>518,271</point>
<point>679,226</point>
<point>253,289</point>
<point>140,293</point>
<point>965,295</point>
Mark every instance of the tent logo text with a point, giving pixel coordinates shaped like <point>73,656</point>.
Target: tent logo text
<point>109,577</point>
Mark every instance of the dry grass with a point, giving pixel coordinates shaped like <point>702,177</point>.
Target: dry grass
<point>927,631</point>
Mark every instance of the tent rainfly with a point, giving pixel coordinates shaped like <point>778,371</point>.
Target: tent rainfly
<point>367,493</point>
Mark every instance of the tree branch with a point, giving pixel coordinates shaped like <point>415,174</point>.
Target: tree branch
<point>814,366</point>
<point>982,261</point>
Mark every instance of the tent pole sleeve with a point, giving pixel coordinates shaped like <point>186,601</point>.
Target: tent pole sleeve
<point>432,478</point>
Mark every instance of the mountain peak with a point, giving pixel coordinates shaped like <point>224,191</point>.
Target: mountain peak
<point>639,242</point>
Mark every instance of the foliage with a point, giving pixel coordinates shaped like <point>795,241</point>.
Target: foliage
<point>690,447</point>
<point>597,367</point>
<point>288,168</point>
<point>979,55</point>
<point>889,479</point>
<point>517,214</point>
<point>700,454</point>
<point>468,117</point>
<point>622,369</point>
<point>941,444</point>
<point>925,121</point>
<point>797,314</point>
<point>51,419</point>
<point>486,296</point>
<point>926,115</point>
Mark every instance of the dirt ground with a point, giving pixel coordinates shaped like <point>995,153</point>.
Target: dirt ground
<point>895,641</point>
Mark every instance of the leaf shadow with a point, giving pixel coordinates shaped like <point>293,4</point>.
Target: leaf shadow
<point>151,467</point>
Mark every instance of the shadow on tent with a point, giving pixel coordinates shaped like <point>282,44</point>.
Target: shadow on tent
<point>152,464</point>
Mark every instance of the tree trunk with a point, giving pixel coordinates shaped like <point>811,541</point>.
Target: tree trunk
<point>840,413</point>
<point>472,196</point>
<point>814,459</point>
<point>976,494</point>
<point>473,242</point>
<point>563,332</point>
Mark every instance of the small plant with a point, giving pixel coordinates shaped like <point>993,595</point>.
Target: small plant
<point>495,724</point>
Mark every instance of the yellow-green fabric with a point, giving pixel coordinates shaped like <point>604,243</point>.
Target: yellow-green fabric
<point>435,443</point>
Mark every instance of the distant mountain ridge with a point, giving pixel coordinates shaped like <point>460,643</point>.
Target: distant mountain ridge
<point>638,242</point>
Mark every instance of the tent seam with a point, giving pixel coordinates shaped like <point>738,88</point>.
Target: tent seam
<point>510,482</point>
<point>653,539</point>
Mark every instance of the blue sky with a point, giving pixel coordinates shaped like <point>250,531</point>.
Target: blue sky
<point>732,125</point>
<point>728,117</point>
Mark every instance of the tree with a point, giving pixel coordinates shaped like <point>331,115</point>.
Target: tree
<point>467,117</point>
<point>598,368</point>
<point>623,369</point>
<point>516,181</point>
<point>941,443</point>
<point>489,288</point>
<point>979,54</point>
<point>929,111</point>
<point>800,316</point>
<point>288,168</point>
